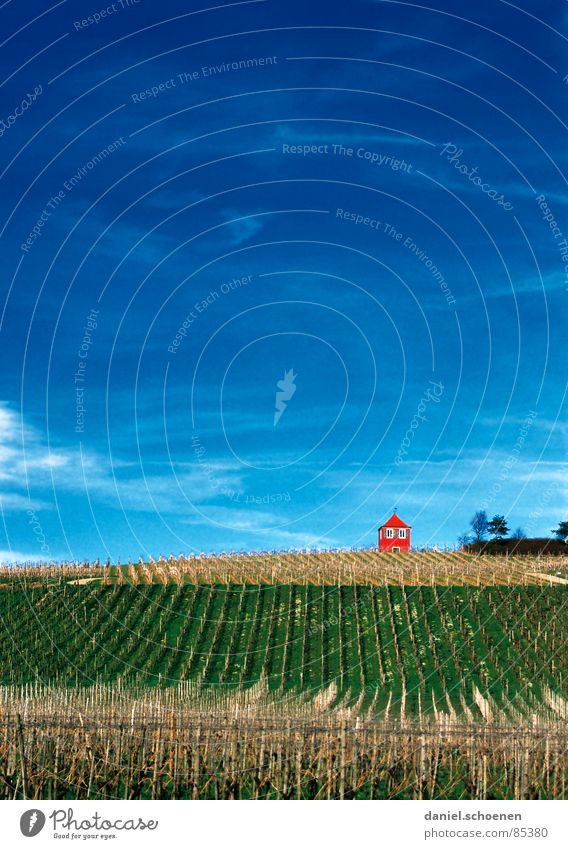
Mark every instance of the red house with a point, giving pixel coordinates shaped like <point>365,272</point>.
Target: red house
<point>394,535</point>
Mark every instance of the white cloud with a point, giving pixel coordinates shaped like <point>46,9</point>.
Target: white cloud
<point>232,517</point>
<point>299,539</point>
<point>16,501</point>
<point>8,558</point>
<point>28,464</point>
<point>51,461</point>
<point>25,459</point>
<point>241,228</point>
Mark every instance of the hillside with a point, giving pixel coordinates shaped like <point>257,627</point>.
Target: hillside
<point>325,568</point>
<point>407,636</point>
<point>328,675</point>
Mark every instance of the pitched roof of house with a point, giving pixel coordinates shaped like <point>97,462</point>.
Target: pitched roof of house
<point>395,522</point>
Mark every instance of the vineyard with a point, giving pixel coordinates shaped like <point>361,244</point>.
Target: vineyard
<point>415,676</point>
<point>179,743</point>
<point>398,651</point>
<point>323,568</point>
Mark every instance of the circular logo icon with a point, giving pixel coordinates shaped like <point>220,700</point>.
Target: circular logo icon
<point>32,822</point>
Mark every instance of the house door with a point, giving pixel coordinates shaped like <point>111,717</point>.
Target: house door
<point>396,549</point>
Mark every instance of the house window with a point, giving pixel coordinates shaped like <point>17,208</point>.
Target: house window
<point>402,533</point>
<point>396,549</point>
<point>389,533</point>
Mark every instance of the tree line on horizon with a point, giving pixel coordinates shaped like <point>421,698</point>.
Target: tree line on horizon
<point>481,527</point>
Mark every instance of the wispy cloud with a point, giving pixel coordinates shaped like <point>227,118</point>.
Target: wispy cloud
<point>8,558</point>
<point>240,227</point>
<point>25,459</point>
<point>28,466</point>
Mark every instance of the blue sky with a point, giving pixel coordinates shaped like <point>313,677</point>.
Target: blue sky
<point>370,197</point>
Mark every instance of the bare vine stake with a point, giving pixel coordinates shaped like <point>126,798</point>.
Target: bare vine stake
<point>22,751</point>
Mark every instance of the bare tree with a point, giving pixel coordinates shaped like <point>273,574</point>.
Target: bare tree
<point>479,525</point>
